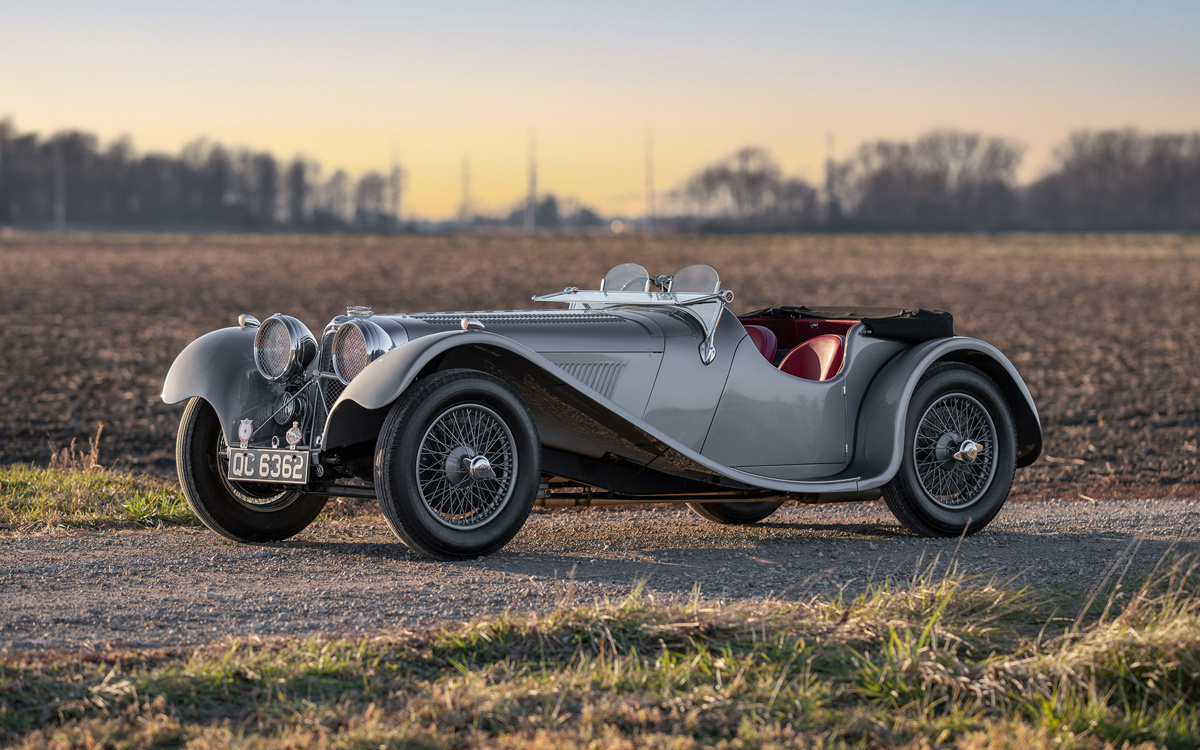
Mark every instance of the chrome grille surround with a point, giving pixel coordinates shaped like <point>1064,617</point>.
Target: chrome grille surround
<point>283,348</point>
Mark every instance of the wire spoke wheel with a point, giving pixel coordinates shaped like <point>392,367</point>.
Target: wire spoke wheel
<point>466,466</point>
<point>242,511</point>
<point>259,497</point>
<point>954,450</point>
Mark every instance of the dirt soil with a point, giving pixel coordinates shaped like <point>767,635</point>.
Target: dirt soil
<point>175,587</point>
<point>1105,328</point>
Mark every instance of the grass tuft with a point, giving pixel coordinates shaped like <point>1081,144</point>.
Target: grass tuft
<point>76,491</point>
<point>34,497</point>
<point>937,660</point>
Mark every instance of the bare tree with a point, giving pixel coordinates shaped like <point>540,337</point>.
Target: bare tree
<point>370,202</point>
<point>747,190</point>
<point>299,175</point>
<point>1120,180</point>
<point>945,180</point>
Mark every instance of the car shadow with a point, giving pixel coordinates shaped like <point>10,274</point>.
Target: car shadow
<point>788,558</point>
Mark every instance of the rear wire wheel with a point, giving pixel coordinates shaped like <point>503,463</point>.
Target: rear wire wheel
<point>736,514</point>
<point>959,454</point>
<point>241,511</point>
<point>457,465</point>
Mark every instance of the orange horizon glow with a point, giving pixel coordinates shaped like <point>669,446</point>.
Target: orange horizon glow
<point>354,85</point>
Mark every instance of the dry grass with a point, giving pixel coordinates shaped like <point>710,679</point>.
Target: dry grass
<point>76,491</point>
<point>944,660</point>
<point>34,497</point>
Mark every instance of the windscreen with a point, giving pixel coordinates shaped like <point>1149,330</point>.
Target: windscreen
<point>699,279</point>
<point>627,277</point>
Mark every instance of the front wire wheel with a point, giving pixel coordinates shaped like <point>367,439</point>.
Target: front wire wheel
<point>466,466</point>
<point>959,454</point>
<point>254,495</point>
<point>241,511</point>
<point>457,465</point>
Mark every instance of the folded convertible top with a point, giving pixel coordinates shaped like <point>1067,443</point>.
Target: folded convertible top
<point>897,324</point>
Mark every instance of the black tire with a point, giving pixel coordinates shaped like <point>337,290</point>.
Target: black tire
<point>417,455</point>
<point>951,399</point>
<point>736,514</point>
<point>241,512</point>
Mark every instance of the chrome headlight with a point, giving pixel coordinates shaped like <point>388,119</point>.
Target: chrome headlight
<point>283,348</point>
<point>357,344</point>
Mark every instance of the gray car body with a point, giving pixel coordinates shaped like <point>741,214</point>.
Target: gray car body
<point>628,385</point>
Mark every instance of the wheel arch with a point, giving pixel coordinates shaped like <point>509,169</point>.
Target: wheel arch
<point>880,424</point>
<point>1024,412</point>
<point>219,368</point>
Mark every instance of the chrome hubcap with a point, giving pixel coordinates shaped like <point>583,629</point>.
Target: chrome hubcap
<point>968,451</point>
<point>954,451</point>
<point>480,468</point>
<point>466,466</point>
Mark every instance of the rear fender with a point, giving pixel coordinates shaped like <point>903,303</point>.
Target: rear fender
<point>880,431</point>
<point>219,368</point>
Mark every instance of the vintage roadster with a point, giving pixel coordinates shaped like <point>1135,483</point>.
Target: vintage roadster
<point>646,390</point>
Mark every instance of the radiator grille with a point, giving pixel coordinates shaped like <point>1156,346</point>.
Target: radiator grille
<point>599,376</point>
<point>330,387</point>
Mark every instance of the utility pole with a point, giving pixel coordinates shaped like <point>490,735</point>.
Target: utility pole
<point>394,180</point>
<point>464,208</point>
<point>60,189</point>
<point>531,199</point>
<point>650,208</point>
<point>833,208</point>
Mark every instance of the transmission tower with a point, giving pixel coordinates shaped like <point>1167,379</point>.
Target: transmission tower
<point>464,208</point>
<point>650,196</point>
<point>395,180</point>
<point>531,199</point>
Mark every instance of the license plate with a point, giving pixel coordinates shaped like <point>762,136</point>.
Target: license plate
<point>264,465</point>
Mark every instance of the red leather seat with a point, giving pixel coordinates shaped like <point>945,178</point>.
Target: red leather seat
<point>765,340</point>
<point>819,358</point>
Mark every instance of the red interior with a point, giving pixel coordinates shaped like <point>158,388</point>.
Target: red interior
<point>791,332</point>
<point>818,358</point>
<point>765,341</point>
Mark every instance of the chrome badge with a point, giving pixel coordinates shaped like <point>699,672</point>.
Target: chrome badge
<point>293,435</point>
<point>245,431</point>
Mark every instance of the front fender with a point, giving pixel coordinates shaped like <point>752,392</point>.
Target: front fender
<point>219,368</point>
<point>359,412</point>
<point>881,419</point>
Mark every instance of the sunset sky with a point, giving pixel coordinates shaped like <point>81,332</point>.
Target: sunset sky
<point>350,82</point>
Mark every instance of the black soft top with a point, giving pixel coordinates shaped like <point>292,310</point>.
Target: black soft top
<point>898,324</point>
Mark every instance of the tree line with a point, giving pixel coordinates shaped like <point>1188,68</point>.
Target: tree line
<point>954,181</point>
<point>941,181</point>
<point>69,179</point>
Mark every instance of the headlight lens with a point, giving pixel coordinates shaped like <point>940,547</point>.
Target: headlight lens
<point>357,344</point>
<point>283,348</point>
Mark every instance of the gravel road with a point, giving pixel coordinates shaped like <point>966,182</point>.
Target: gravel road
<point>178,587</point>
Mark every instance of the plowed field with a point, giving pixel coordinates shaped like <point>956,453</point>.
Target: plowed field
<point>1105,328</point>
